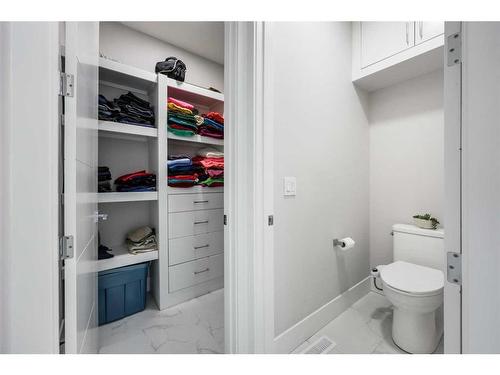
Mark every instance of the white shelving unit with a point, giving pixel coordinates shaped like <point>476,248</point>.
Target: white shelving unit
<point>136,196</point>
<point>125,148</point>
<point>127,76</point>
<point>123,258</point>
<point>197,139</point>
<point>116,129</point>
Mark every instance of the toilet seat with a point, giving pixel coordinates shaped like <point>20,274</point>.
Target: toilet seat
<point>412,279</point>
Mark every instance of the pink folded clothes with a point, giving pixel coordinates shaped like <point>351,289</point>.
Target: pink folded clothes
<point>180,103</point>
<point>215,172</point>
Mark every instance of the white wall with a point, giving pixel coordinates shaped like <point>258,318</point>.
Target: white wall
<point>131,47</point>
<point>321,137</point>
<point>406,157</point>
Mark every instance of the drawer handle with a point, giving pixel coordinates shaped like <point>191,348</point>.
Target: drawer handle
<point>201,222</point>
<point>198,272</point>
<point>197,202</point>
<point>201,247</point>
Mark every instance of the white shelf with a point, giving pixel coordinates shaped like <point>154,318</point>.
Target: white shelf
<point>193,94</point>
<point>127,196</point>
<point>123,258</point>
<point>197,139</point>
<point>119,130</point>
<point>125,75</point>
<point>195,189</point>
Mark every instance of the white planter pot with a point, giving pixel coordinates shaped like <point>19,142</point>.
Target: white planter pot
<point>422,223</point>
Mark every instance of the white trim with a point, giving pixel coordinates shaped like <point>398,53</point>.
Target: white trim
<point>452,203</point>
<point>246,200</point>
<point>307,327</point>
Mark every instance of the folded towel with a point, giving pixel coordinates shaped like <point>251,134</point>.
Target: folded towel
<point>209,152</point>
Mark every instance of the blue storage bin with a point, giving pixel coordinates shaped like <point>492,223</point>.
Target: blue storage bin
<point>122,292</point>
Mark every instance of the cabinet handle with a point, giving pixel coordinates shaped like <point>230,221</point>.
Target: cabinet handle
<point>407,33</point>
<point>196,202</point>
<point>421,29</point>
<point>198,272</point>
<point>201,222</point>
<point>201,247</point>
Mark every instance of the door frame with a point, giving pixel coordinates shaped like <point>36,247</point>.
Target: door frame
<point>248,198</point>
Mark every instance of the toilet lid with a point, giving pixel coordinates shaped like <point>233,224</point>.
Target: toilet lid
<point>412,278</point>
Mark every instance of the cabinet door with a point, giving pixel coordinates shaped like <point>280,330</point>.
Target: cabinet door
<point>380,40</point>
<point>427,30</point>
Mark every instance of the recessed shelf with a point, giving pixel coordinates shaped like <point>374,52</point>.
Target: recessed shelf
<point>126,75</point>
<point>194,189</point>
<point>123,258</point>
<point>135,196</point>
<point>193,94</point>
<point>119,130</point>
<point>197,139</point>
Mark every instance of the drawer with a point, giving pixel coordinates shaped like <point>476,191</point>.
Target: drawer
<point>198,201</point>
<point>195,272</point>
<point>190,223</point>
<point>184,249</point>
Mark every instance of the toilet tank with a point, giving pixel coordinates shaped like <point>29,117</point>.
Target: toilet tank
<point>419,246</point>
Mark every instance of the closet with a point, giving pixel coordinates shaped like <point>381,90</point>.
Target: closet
<point>188,222</point>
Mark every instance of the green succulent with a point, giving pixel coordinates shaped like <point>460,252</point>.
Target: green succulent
<point>433,220</point>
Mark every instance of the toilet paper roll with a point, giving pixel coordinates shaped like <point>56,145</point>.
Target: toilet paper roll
<point>348,243</point>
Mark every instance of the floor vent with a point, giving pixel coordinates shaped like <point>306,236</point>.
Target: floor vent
<point>320,346</point>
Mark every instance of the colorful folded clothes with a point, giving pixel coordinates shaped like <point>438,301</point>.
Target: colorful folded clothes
<point>141,240</point>
<point>182,172</point>
<point>136,181</point>
<point>212,126</point>
<point>212,162</point>
<point>180,103</point>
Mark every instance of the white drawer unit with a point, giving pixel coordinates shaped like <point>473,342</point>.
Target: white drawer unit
<point>194,202</point>
<point>195,272</point>
<point>189,248</point>
<point>190,223</point>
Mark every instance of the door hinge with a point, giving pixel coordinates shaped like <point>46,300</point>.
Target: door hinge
<point>454,49</point>
<point>454,268</point>
<point>67,85</point>
<point>270,220</point>
<point>225,219</point>
<point>66,249</point>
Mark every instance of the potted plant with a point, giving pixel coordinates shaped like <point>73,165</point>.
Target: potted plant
<point>425,221</point>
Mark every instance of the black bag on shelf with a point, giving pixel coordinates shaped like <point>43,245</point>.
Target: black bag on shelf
<point>172,67</point>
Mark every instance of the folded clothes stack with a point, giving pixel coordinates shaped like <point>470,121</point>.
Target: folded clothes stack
<point>182,118</point>
<point>127,109</point>
<point>103,180</point>
<point>182,172</point>
<point>141,240</point>
<point>108,110</point>
<point>212,162</point>
<point>137,181</point>
<point>212,126</point>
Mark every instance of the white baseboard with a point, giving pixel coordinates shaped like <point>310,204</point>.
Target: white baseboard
<point>300,332</point>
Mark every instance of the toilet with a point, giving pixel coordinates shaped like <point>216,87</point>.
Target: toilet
<point>414,284</point>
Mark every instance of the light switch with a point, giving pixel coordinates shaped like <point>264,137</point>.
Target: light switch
<point>289,186</point>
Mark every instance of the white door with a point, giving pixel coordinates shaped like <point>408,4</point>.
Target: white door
<point>380,40</point>
<point>80,186</point>
<point>427,30</point>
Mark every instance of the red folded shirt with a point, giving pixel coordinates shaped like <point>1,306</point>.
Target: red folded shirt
<point>187,177</point>
<point>209,163</point>
<point>216,116</point>
<point>130,176</point>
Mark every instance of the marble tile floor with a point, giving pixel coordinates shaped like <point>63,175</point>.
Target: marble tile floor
<point>364,328</point>
<point>196,326</point>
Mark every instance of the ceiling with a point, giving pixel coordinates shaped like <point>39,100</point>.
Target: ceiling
<point>205,39</point>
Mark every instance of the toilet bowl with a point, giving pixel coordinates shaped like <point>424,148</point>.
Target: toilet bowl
<point>416,293</point>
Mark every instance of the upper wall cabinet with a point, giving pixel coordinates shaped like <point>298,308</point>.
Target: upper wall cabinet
<point>380,40</point>
<point>384,53</point>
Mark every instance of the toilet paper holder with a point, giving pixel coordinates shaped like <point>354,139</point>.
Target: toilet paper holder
<point>339,243</point>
